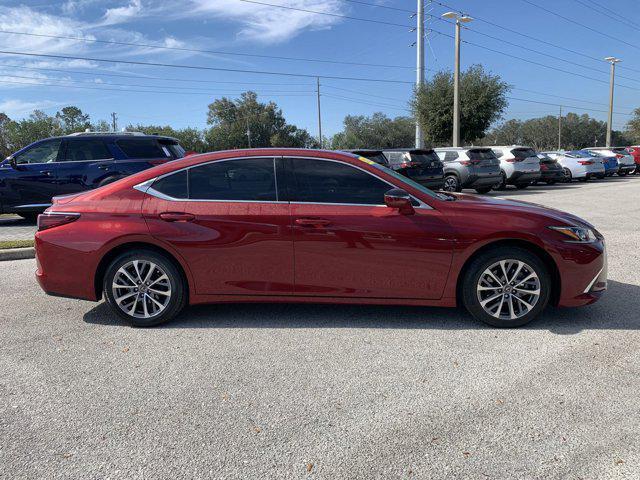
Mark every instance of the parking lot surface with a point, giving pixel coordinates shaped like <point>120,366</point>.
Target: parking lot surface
<point>307,391</point>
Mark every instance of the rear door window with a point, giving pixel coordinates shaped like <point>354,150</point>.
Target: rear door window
<point>142,148</point>
<point>522,153</point>
<point>174,185</point>
<point>83,149</point>
<point>248,179</point>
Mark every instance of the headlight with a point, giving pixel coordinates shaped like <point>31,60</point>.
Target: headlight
<point>577,234</point>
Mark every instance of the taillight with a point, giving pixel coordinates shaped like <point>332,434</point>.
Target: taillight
<point>55,219</point>
<point>619,155</point>
<point>543,167</point>
<point>465,162</point>
<point>585,162</point>
<point>511,160</point>
<point>158,161</point>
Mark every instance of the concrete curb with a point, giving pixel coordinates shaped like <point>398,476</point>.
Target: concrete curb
<point>17,253</point>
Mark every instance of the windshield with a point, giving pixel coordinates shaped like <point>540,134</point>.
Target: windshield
<point>408,181</point>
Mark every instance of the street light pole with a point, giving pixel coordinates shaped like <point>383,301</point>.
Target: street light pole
<point>460,18</point>
<point>612,61</point>
<point>420,66</point>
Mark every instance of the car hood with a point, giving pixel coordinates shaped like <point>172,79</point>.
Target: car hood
<point>554,216</point>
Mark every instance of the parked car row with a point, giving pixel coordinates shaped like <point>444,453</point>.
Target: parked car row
<point>486,168</point>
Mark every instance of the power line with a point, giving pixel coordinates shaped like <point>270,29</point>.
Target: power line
<point>200,67</point>
<point>598,31</point>
<point>381,6</point>
<point>356,100</point>
<point>195,50</point>
<point>530,37</point>
<point>336,15</point>
<point>600,9</point>
<point>367,94</point>
<point>567,106</point>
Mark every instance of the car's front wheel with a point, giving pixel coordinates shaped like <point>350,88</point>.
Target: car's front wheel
<point>144,287</point>
<point>451,184</point>
<point>508,287</point>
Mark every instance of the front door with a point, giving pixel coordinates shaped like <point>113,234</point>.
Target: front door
<point>348,243</point>
<point>31,184</point>
<point>231,228</point>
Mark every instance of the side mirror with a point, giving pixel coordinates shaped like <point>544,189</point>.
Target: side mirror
<point>12,162</point>
<point>400,199</point>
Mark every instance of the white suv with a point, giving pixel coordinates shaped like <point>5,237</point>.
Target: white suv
<point>520,166</point>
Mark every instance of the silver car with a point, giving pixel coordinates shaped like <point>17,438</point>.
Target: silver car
<point>626,162</point>
<point>577,166</point>
<point>469,167</point>
<point>520,166</point>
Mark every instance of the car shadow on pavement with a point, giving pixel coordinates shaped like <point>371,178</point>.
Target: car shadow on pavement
<point>616,310</point>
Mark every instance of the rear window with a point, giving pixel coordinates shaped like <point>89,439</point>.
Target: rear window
<point>484,154</point>
<point>620,150</point>
<point>425,157</point>
<point>142,148</point>
<point>174,147</point>
<point>522,153</point>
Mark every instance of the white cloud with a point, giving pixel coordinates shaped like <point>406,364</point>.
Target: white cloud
<point>16,107</point>
<point>114,16</point>
<point>271,24</point>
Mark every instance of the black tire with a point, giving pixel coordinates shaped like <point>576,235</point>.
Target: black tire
<point>178,290</point>
<point>503,181</point>
<point>483,190</point>
<point>522,186</point>
<point>451,183</point>
<point>622,174</point>
<point>568,176</point>
<point>483,261</point>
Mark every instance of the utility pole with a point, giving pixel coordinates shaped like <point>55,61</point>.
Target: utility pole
<point>612,61</point>
<point>460,18</point>
<point>248,133</point>
<point>560,129</point>
<point>420,66</point>
<point>114,121</point>
<point>319,114</point>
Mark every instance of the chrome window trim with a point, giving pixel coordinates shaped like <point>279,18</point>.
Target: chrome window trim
<point>33,205</point>
<point>145,187</point>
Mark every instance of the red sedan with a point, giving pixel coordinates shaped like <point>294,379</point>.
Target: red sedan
<point>293,225</point>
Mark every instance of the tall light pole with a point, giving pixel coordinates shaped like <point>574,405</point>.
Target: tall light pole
<point>612,61</point>
<point>420,66</point>
<point>460,18</point>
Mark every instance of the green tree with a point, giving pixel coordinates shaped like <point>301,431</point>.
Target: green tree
<point>633,127</point>
<point>245,122</point>
<point>376,131</point>
<point>72,119</point>
<point>190,138</point>
<point>5,147</point>
<point>39,125</point>
<point>482,102</point>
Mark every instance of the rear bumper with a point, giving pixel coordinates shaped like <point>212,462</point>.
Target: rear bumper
<point>477,181</point>
<point>523,177</point>
<point>551,175</point>
<point>626,168</point>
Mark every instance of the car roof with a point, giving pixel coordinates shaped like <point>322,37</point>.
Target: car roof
<point>409,150</point>
<point>108,136</point>
<point>459,149</point>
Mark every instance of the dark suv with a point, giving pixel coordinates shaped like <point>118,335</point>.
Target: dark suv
<point>77,162</point>
<point>420,165</point>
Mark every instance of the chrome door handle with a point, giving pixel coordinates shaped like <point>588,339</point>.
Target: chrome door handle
<point>312,222</point>
<point>177,217</point>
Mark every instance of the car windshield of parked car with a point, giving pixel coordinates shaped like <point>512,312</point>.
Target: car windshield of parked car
<point>408,181</point>
<point>44,152</point>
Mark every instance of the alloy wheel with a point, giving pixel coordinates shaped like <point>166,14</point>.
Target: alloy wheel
<point>141,289</point>
<point>450,184</point>
<point>508,289</point>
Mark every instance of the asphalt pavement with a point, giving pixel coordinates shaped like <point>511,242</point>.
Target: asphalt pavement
<point>330,392</point>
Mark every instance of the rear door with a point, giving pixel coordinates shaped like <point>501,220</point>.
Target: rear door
<point>30,186</point>
<point>84,163</point>
<point>484,162</point>
<point>229,226</point>
<point>527,159</point>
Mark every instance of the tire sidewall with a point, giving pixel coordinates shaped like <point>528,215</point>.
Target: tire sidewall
<point>454,177</point>
<point>177,301</point>
<point>482,262</point>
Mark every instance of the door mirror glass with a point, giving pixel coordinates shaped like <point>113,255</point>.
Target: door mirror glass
<point>12,162</point>
<point>399,199</point>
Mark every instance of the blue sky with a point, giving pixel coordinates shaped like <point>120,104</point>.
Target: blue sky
<point>179,96</point>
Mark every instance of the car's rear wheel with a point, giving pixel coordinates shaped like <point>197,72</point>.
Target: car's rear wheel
<point>451,184</point>
<point>144,287</point>
<point>567,175</point>
<point>508,287</point>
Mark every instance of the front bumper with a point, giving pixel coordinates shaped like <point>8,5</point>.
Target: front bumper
<point>583,274</point>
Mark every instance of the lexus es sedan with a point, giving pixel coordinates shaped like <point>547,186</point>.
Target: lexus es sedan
<point>294,225</point>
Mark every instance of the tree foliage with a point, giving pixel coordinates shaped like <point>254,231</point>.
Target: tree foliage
<point>376,131</point>
<point>482,102</point>
<point>190,138</point>
<point>578,131</point>
<point>246,122</point>
<point>72,119</point>
<point>633,128</point>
